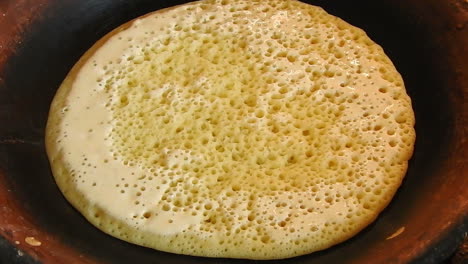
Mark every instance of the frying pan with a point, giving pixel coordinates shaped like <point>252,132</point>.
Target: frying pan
<point>40,40</point>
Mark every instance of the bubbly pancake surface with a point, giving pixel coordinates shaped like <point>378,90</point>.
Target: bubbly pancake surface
<point>239,129</point>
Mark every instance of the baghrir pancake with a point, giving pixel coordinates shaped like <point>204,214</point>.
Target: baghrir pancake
<point>239,129</point>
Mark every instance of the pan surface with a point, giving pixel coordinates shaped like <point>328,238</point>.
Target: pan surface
<point>40,40</point>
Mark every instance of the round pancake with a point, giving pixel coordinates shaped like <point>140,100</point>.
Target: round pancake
<point>239,129</point>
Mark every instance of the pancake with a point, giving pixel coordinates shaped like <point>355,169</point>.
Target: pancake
<point>235,129</point>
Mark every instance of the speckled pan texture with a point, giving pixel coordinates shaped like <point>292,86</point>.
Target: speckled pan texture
<point>41,40</point>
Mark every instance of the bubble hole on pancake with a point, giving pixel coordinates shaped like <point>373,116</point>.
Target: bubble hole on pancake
<point>240,129</point>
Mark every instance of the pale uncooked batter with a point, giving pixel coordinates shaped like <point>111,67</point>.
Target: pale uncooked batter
<point>239,129</point>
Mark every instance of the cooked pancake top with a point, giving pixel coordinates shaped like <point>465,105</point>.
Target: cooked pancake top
<point>249,129</point>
